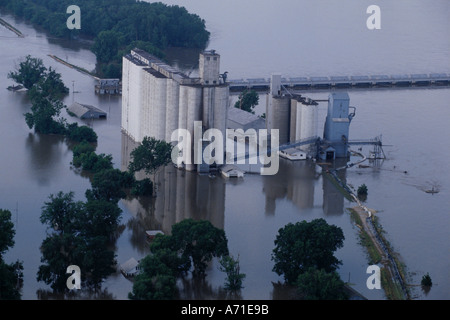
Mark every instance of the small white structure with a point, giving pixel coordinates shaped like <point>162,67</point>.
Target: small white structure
<point>151,234</point>
<point>130,268</point>
<point>292,154</point>
<point>85,111</point>
<point>230,171</point>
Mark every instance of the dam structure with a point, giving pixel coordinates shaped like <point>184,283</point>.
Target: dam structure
<point>158,99</point>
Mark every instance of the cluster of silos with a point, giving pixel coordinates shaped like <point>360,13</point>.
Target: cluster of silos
<point>157,100</point>
<point>295,117</point>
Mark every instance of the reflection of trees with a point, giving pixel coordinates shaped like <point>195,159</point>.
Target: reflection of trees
<point>44,151</point>
<point>138,236</point>
<point>283,291</point>
<point>101,294</point>
<point>199,289</point>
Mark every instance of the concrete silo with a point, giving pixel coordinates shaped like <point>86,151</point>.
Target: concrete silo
<point>172,108</point>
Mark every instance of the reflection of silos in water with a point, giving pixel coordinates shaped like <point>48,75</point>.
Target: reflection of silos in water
<point>333,199</point>
<point>194,113</point>
<point>172,108</point>
<point>278,116</point>
<point>300,183</point>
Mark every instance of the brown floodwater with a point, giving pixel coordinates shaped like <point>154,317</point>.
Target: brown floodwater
<point>413,122</point>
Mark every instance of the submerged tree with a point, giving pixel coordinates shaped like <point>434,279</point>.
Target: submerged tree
<point>231,267</point>
<point>79,234</point>
<point>43,116</point>
<point>11,275</point>
<point>426,281</point>
<point>150,155</point>
<point>317,284</point>
<point>305,244</point>
<point>29,72</point>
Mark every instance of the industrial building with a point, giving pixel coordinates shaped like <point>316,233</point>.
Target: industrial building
<point>158,99</point>
<point>296,118</point>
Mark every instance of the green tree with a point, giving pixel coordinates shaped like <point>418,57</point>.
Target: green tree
<point>11,275</point>
<point>426,281</point>
<point>150,156</point>
<point>78,234</point>
<point>247,101</point>
<point>315,284</point>
<point>157,277</point>
<point>362,190</point>
<point>109,185</point>
<point>11,278</point>
<point>49,86</point>
<point>82,147</point>
<point>234,278</point>
<point>7,232</point>
<point>106,45</point>
<point>42,116</point>
<point>200,241</point>
<point>29,72</point>
<point>90,161</point>
<point>306,244</point>
<point>81,133</point>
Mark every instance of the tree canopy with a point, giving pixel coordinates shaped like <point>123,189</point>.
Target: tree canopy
<point>150,155</point>
<point>305,244</point>
<point>315,284</point>
<point>29,72</point>
<point>196,241</point>
<point>114,25</point>
<point>79,234</point>
<point>247,101</point>
<point>11,275</point>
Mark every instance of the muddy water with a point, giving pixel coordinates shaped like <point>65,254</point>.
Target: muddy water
<point>414,124</point>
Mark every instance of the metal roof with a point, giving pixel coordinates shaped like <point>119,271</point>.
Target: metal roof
<point>80,109</point>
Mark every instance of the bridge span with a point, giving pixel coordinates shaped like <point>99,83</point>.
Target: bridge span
<point>337,82</point>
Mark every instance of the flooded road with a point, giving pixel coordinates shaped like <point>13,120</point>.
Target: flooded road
<point>413,122</point>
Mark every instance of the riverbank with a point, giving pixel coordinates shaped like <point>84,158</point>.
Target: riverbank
<point>10,27</point>
<point>380,252</point>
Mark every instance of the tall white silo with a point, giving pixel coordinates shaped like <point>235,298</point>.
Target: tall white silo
<point>172,107</point>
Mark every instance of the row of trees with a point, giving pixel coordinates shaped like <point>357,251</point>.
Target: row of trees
<point>117,25</point>
<point>79,233</point>
<point>303,255</point>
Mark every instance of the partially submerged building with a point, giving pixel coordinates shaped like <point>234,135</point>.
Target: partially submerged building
<point>108,86</point>
<point>86,111</point>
